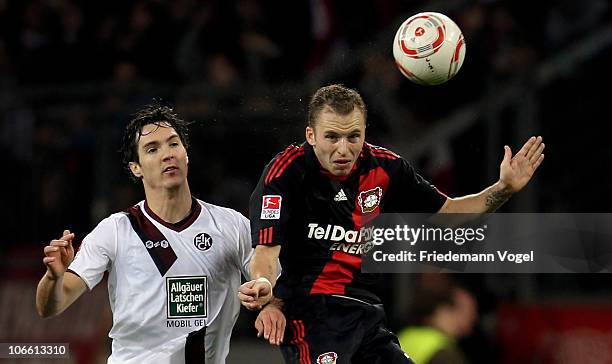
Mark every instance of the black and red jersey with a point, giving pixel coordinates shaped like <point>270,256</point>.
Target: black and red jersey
<point>316,216</point>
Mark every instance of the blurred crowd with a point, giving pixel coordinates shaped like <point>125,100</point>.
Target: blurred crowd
<point>71,73</point>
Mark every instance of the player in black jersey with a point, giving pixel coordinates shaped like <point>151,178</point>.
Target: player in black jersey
<point>308,206</point>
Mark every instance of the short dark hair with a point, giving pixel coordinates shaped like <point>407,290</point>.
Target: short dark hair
<point>340,98</point>
<point>154,113</point>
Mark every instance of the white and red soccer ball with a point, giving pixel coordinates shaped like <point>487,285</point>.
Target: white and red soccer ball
<point>429,48</point>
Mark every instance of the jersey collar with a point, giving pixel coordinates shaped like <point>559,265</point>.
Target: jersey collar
<point>181,225</point>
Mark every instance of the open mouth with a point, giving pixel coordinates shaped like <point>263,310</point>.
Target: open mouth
<point>342,162</point>
<point>170,169</point>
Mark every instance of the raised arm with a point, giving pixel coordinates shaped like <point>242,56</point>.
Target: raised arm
<point>58,289</point>
<point>514,174</point>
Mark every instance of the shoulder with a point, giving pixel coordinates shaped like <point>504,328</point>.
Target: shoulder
<point>221,212</point>
<point>378,152</point>
<point>381,156</point>
<point>113,221</point>
<point>286,163</point>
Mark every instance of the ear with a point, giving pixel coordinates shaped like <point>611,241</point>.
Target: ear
<point>310,136</point>
<point>135,168</point>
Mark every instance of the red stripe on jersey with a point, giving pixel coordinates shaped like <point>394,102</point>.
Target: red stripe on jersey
<point>296,337</point>
<point>383,154</point>
<point>297,328</point>
<point>380,151</point>
<point>376,177</point>
<point>336,274</point>
<point>289,151</point>
<point>305,343</point>
<point>281,158</point>
<point>339,271</point>
<point>289,161</point>
<point>265,236</point>
<point>270,229</point>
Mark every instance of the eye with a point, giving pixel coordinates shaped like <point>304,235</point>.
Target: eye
<point>151,150</point>
<point>174,144</point>
<point>331,137</point>
<point>354,137</point>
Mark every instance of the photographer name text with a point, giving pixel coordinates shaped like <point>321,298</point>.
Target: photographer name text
<point>450,256</point>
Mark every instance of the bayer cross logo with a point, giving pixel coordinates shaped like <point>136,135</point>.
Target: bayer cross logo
<point>202,241</point>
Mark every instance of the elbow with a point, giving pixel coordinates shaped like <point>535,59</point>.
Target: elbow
<point>447,207</point>
<point>45,312</point>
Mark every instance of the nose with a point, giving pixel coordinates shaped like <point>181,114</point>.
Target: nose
<point>168,154</point>
<point>342,146</point>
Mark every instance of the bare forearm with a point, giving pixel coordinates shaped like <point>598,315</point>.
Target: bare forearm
<point>53,296</point>
<point>49,296</point>
<point>488,200</point>
<point>264,264</point>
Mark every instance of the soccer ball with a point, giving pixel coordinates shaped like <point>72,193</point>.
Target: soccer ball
<point>429,48</point>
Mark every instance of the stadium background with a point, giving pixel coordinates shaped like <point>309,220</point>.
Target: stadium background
<point>72,72</point>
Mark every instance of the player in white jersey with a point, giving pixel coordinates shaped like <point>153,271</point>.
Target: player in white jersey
<point>174,262</point>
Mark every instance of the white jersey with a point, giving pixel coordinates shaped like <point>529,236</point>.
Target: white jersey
<point>169,281</point>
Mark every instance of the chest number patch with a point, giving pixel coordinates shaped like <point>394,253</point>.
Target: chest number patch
<point>187,297</point>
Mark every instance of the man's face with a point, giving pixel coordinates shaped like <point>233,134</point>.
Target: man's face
<point>162,158</point>
<point>337,139</point>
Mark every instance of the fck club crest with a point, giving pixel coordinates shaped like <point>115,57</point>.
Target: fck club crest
<point>370,199</point>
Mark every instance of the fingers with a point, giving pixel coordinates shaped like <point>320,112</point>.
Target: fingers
<point>61,246</point>
<point>280,329</point>
<point>249,302</point>
<point>247,288</point>
<point>245,298</point>
<point>269,331</point>
<point>246,292</point>
<point>533,158</point>
<point>248,296</point>
<point>538,162</point>
<point>527,146</point>
<point>534,145</point>
<point>59,243</point>
<point>271,325</point>
<point>507,155</point>
<point>50,250</point>
<point>67,236</point>
<point>252,306</point>
<point>259,326</point>
<point>263,289</point>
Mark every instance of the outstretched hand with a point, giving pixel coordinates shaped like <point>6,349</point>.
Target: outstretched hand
<point>516,171</point>
<point>59,254</point>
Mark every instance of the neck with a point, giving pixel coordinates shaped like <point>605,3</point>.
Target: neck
<point>171,206</point>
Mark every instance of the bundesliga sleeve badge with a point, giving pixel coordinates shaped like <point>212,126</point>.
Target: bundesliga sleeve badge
<point>271,207</point>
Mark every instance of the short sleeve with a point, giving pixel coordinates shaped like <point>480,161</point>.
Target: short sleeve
<point>412,193</point>
<point>245,250</point>
<point>269,212</point>
<point>96,253</point>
